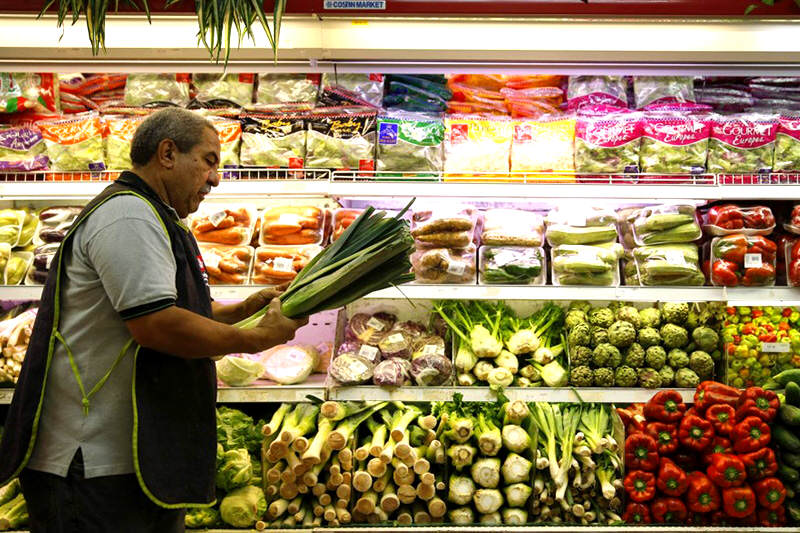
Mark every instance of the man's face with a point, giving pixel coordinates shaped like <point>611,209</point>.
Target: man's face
<point>194,174</point>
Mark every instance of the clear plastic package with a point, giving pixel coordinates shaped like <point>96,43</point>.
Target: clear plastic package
<point>236,88</point>
<point>728,219</point>
<point>512,227</point>
<point>17,267</point>
<point>793,225</point>
<point>141,89</point>
<point>342,218</point>
<point>651,90</point>
<point>11,221</point>
<point>230,137</point>
<point>742,143</point>
<point>55,223</point>
<point>22,148</point>
<point>74,143</point>
<point>674,143</point>
<point>227,265</point>
<point>224,224</point>
<point>512,265</point>
<point>275,265</point>
<point>410,142</point>
<point>42,261</point>
<point>446,226</point>
<point>665,224</point>
<point>608,143</point>
<point>668,265</point>
<point>341,138</point>
<point>477,144</point>
<point>292,225</point>
<point>573,264</point>
<point>597,90</point>
<point>287,88</point>
<point>787,144</point>
<point>277,140</point>
<point>445,265</point>
<point>743,260</point>
<point>580,225</point>
<point>368,87</point>
<point>546,144</point>
<point>792,260</point>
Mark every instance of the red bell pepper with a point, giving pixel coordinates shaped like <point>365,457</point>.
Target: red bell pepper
<point>671,480</point>
<point>711,393</point>
<point>668,511</point>
<point>750,434</point>
<point>738,502</point>
<point>666,435</point>
<point>695,433</point>
<point>760,464</point>
<point>722,416</point>
<point>758,217</point>
<point>759,276</point>
<point>640,485</point>
<point>665,406</point>
<point>795,215</point>
<point>702,496</point>
<point>636,513</point>
<point>726,216</point>
<point>761,245</point>
<point>756,401</point>
<point>720,444</point>
<point>719,518</point>
<point>731,248</point>
<point>726,470</point>
<point>794,273</point>
<point>641,452</point>
<point>725,273</point>
<point>772,517</point>
<point>770,492</point>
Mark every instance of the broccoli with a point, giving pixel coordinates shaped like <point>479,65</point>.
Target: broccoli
<point>655,357</point>
<point>629,314</point>
<point>674,336</point>
<point>649,378</point>
<point>702,364</point>
<point>650,317</point>
<point>678,358</point>
<point>621,334</point>
<point>625,376</point>
<point>649,337</point>
<point>634,356</point>
<point>580,305</point>
<point>686,378</point>
<point>675,313</point>
<point>602,317</point>
<point>599,336</point>
<point>580,335</point>
<point>667,376</point>
<point>604,353</point>
<point>705,338</point>
<point>581,376</point>
<point>603,377</point>
<point>580,356</point>
<point>573,318</point>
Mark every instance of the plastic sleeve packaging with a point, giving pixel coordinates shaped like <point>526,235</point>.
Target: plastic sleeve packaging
<point>594,90</point>
<point>74,143</point>
<point>665,224</point>
<point>42,260</point>
<point>512,265</point>
<point>230,137</point>
<point>662,89</point>
<point>543,145</point>
<point>224,224</point>
<point>368,87</point>
<point>237,88</point>
<point>227,265</point>
<point>742,143</point>
<point>585,265</point>
<point>445,265</point>
<point>409,143</point>
<point>17,267</point>
<point>727,219</point>
<point>273,141</point>
<point>674,143</point>
<point>11,221</point>
<point>292,225</point>
<point>668,265</point>
<point>142,89</point>
<point>118,141</point>
<point>342,218</point>
<point>743,260</point>
<point>609,143</point>
<point>449,227</point>
<point>577,225</point>
<point>275,265</point>
<point>341,138</point>
<point>787,145</point>
<point>476,144</point>
<point>512,227</point>
<point>29,91</point>
<point>285,88</point>
<point>22,148</point>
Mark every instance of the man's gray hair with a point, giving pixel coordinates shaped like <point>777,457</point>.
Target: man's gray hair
<point>183,127</point>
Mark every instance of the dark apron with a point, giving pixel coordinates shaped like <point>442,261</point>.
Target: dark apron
<point>174,399</point>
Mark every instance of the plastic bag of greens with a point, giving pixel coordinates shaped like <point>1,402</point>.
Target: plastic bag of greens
<point>28,91</point>
<point>286,88</point>
<point>512,265</point>
<point>273,141</point>
<point>410,143</point>
<point>669,264</point>
<point>230,135</point>
<point>662,89</point>
<point>742,143</point>
<point>236,88</point>
<point>608,143</point>
<point>21,149</point>
<point>512,227</point>
<point>787,144</point>
<point>663,224</point>
<point>545,144</point>
<point>118,141</point>
<point>75,143</point>
<point>141,89</point>
<point>674,143</point>
<point>368,87</point>
<point>597,90</point>
<point>341,138</point>
<point>339,96</point>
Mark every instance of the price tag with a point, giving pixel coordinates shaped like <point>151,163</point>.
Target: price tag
<point>504,257</point>
<point>216,218</point>
<point>375,324</point>
<point>431,349</point>
<point>397,338</point>
<point>456,268</point>
<point>368,352</point>
<point>577,221</point>
<point>288,219</point>
<point>283,264</point>
<point>775,347</point>
<point>752,260</point>
<point>211,259</point>
<point>674,257</point>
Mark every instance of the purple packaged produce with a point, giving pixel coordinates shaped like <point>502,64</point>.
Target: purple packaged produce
<point>21,149</point>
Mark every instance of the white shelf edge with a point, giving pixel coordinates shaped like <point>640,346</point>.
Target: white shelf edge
<point>274,393</point>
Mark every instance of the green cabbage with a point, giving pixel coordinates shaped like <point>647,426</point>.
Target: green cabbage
<point>243,507</point>
<point>238,371</point>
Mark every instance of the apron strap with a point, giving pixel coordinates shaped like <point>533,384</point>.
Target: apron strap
<point>86,397</point>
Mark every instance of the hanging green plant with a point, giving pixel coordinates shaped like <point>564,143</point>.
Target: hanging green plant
<point>768,3</point>
<point>217,21</point>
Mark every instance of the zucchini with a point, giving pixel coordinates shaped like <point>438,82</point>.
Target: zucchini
<point>787,376</point>
<point>786,439</point>
<point>793,508</point>
<point>791,459</point>
<point>792,394</point>
<point>789,414</point>
<point>788,474</point>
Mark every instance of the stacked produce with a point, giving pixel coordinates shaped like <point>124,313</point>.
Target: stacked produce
<point>709,464</point>
<point>227,265</point>
<point>622,346</point>
<point>746,260</point>
<point>786,442</point>
<point>445,251</point>
<point>511,250</point>
<point>232,224</point>
<point>286,364</point>
<point>54,223</point>
<point>13,509</point>
<point>15,334</point>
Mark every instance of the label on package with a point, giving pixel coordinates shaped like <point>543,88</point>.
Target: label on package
<point>388,133</point>
<point>775,347</point>
<point>577,221</point>
<point>368,352</point>
<point>397,338</point>
<point>752,260</point>
<point>283,264</point>
<point>211,260</point>
<point>456,268</point>
<point>431,349</point>
<point>216,218</point>
<point>375,324</point>
<point>674,257</point>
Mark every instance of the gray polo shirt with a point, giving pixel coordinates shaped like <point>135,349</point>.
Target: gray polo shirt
<point>121,265</point>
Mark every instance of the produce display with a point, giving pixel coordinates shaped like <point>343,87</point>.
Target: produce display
<point>285,364</point>
<point>742,143</point>
<point>15,333</point>
<point>665,224</point>
<point>666,264</point>
<point>512,265</point>
<point>276,265</point>
<point>739,259</point>
<point>13,510</point>
<point>227,265</point>
<point>409,142</point>
<point>445,252</point>
<point>292,225</point>
<point>785,430</point>
<point>727,219</point>
<point>218,224</point>
<point>674,143</point>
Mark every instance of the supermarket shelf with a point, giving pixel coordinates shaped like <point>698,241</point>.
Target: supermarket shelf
<point>5,396</point>
<point>484,394</point>
<point>559,529</point>
<point>277,393</point>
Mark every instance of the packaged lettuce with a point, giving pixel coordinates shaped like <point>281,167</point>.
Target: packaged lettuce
<point>608,144</point>
<point>142,89</point>
<point>339,96</point>
<point>545,144</point>
<point>742,143</point>
<point>409,142</point>
<point>476,144</point>
<point>273,141</point>
<point>674,143</point>
<point>229,132</point>
<point>341,138</point>
<point>662,89</point>
<point>120,131</point>
<point>368,87</point>
<point>75,143</point>
<point>787,144</point>
<point>21,149</point>
<point>594,90</point>
<point>236,88</point>
<point>285,88</point>
<point>28,91</point>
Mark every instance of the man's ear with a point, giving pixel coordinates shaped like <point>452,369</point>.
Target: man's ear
<point>167,152</point>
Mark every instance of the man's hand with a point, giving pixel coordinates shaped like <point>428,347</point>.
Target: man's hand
<point>274,328</point>
<point>233,313</point>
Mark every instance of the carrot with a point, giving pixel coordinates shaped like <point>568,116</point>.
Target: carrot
<point>232,266</point>
<point>218,277</point>
<point>234,235</point>
<point>264,254</point>
<point>243,254</point>
<point>275,228</point>
<point>305,236</point>
<point>267,270</point>
<point>241,215</point>
<point>203,225</point>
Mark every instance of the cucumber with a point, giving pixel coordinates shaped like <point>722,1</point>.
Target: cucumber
<point>792,394</point>
<point>786,439</point>
<point>791,459</point>
<point>788,375</point>
<point>789,415</point>
<point>788,474</point>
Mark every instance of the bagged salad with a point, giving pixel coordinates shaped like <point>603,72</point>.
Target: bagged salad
<point>22,148</point>
<point>28,91</point>
<point>545,144</point>
<point>573,264</point>
<point>227,265</point>
<point>664,224</point>
<point>74,143</point>
<point>235,88</point>
<point>284,88</point>
<point>473,144</point>
<point>597,90</point>
<point>674,143</point>
<point>444,265</point>
<point>277,140</point>
<point>787,144</point>
<point>662,89</point>
<point>409,142</point>
<point>368,87</point>
<point>512,227</point>
<point>141,89</point>
<point>576,225</point>
<point>118,141</point>
<point>608,143</point>
<point>229,132</point>
<point>742,143</point>
<point>341,138</point>
<point>669,264</point>
<point>447,226</point>
<point>512,265</point>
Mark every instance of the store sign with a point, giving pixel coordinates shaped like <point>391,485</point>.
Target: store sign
<point>379,5</point>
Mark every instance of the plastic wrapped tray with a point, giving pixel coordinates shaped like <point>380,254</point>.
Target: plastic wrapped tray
<point>743,260</point>
<point>224,224</point>
<point>448,227</point>
<point>275,265</point>
<point>584,226</point>
<point>572,264</point>
<point>292,225</point>
<point>665,224</point>
<point>729,219</point>
<point>444,265</point>
<point>227,265</point>
<point>512,265</point>
<point>512,227</point>
<point>668,265</point>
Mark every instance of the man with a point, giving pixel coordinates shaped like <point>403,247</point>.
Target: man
<point>112,425</point>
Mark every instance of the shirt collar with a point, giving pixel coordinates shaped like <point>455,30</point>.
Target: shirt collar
<point>133,181</point>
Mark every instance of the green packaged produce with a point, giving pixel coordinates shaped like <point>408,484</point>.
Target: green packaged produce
<point>668,264</point>
<point>341,138</point>
<point>409,142</point>
<point>674,143</point>
<point>512,265</point>
<point>663,224</point>
<point>608,143</point>
<point>787,144</point>
<point>585,265</point>
<point>273,141</point>
<point>742,143</point>
<point>580,226</point>
<point>141,89</point>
